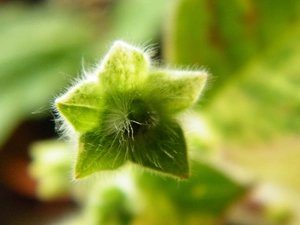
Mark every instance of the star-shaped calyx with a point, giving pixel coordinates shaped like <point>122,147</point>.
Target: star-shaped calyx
<point>126,111</point>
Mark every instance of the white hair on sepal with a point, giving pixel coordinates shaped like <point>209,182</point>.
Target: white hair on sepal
<point>192,69</point>
<point>97,67</point>
<point>69,135</point>
<point>149,49</point>
<point>64,129</point>
<point>140,170</point>
<point>104,178</point>
<point>209,80</point>
<point>62,126</point>
<point>181,68</point>
<point>86,75</point>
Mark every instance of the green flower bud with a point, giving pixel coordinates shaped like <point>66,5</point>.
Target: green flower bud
<point>126,111</point>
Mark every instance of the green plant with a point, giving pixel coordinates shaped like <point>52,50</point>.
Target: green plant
<point>247,119</point>
<point>128,110</point>
<point>125,111</point>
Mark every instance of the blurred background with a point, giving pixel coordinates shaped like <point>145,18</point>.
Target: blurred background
<point>244,134</point>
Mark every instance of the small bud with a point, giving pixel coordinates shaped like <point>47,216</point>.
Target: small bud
<point>128,113</point>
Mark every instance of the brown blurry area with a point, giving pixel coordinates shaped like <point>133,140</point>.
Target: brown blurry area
<point>17,189</point>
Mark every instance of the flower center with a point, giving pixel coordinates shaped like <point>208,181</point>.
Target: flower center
<point>141,118</point>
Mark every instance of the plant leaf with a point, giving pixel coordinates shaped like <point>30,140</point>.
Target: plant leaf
<point>224,35</point>
<point>263,117</point>
<point>203,199</point>
<point>148,25</point>
<point>31,67</point>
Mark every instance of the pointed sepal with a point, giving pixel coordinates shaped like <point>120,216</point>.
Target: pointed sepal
<point>178,90</point>
<point>124,66</point>
<point>81,106</point>
<point>164,150</point>
<point>97,153</point>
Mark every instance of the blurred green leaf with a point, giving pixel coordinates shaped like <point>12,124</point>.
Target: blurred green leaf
<point>264,102</point>
<point>257,116</point>
<point>202,199</point>
<point>111,207</point>
<point>50,167</point>
<point>224,35</point>
<point>137,21</point>
<point>37,46</point>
